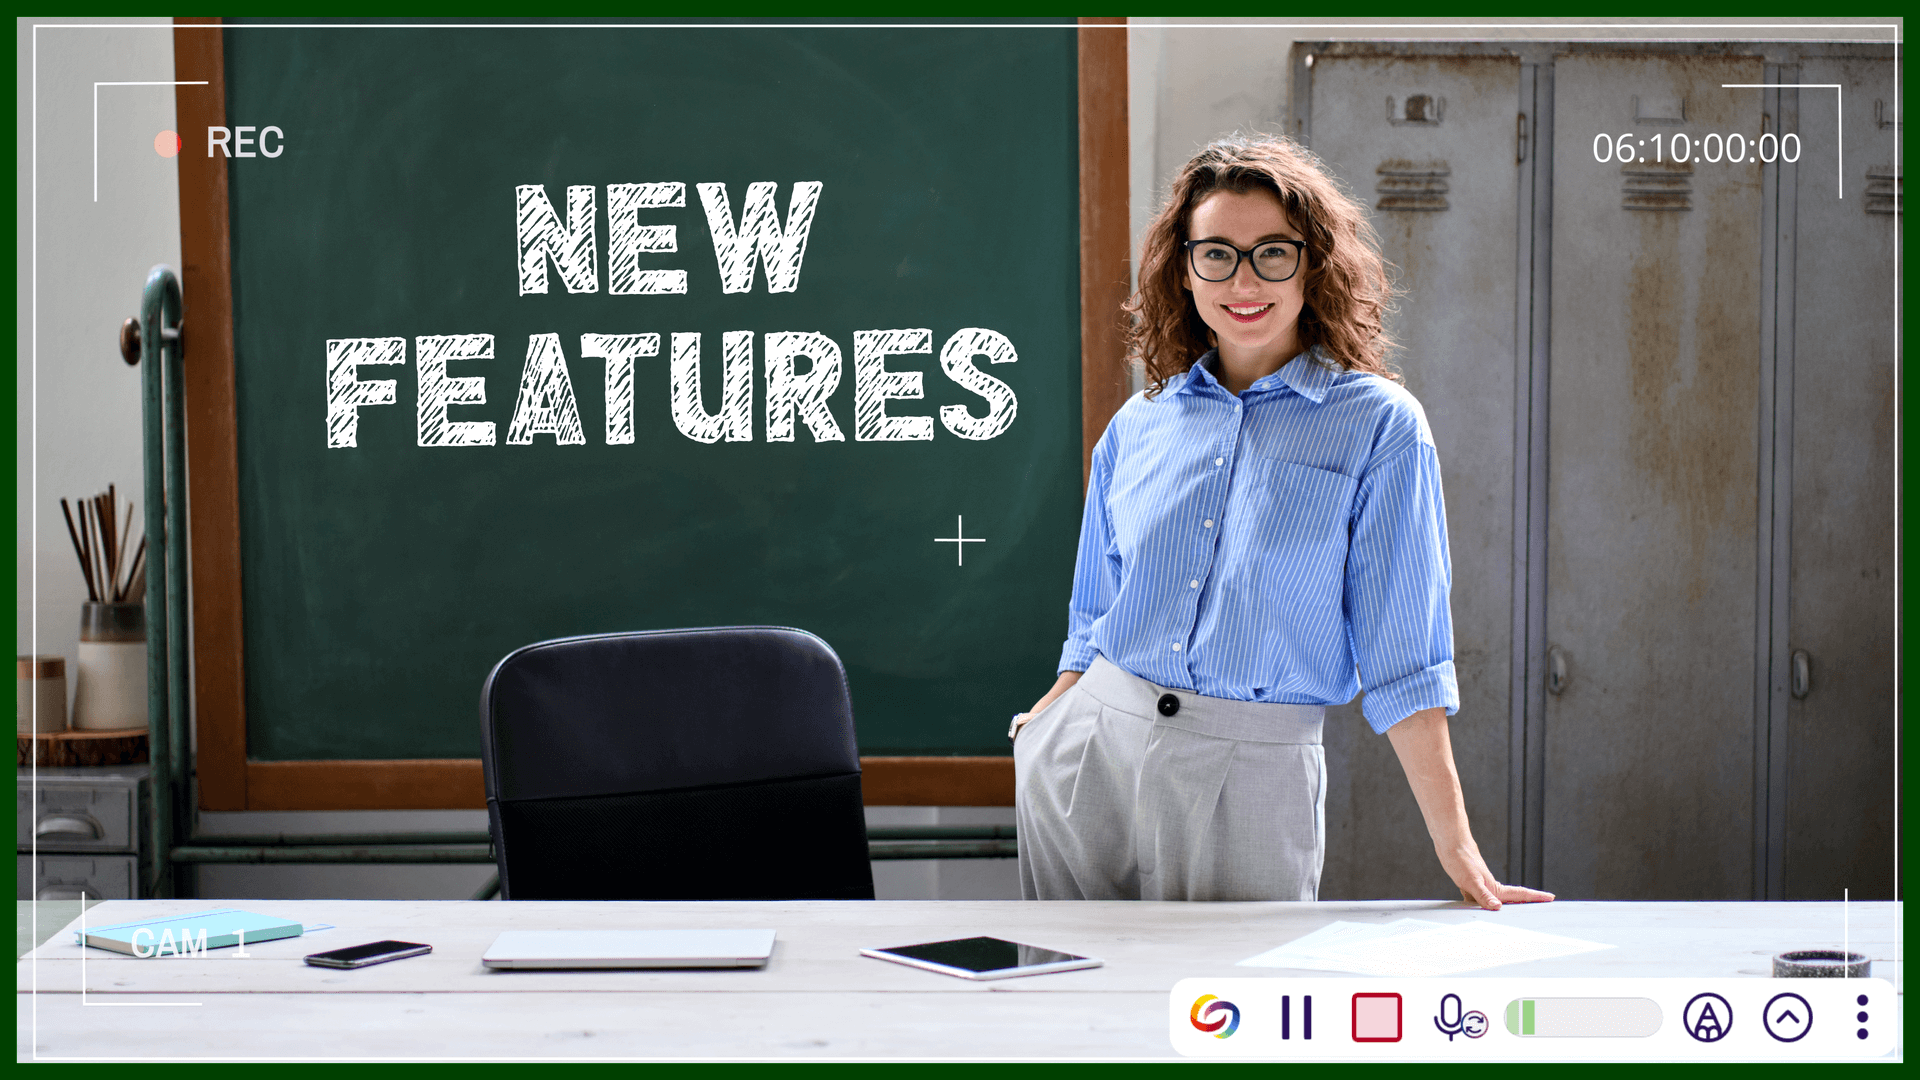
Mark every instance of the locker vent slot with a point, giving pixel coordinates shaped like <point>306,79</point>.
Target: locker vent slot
<point>1416,109</point>
<point>1659,110</point>
<point>1883,190</point>
<point>1652,185</point>
<point>1412,185</point>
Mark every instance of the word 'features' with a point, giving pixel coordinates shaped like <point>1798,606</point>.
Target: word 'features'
<point>546,404</point>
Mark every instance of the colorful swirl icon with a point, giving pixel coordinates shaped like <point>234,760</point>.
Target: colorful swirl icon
<point>1207,1008</point>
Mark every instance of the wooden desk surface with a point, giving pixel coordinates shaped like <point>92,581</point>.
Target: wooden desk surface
<point>816,998</point>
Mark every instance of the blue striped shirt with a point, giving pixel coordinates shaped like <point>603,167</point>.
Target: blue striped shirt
<point>1285,545</point>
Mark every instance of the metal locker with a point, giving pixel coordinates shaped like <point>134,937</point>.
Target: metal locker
<point>1429,141</point>
<point>1834,767</point>
<point>1653,470</point>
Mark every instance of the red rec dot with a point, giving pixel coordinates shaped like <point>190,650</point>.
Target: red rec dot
<point>166,144</point>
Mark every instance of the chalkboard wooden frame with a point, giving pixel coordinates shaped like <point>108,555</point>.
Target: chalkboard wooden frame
<point>227,779</point>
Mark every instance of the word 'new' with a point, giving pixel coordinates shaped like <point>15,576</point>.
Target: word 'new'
<point>546,405</point>
<point>574,250</point>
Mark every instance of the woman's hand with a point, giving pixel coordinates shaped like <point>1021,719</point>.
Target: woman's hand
<point>1060,686</point>
<point>1477,884</point>
<point>1426,753</point>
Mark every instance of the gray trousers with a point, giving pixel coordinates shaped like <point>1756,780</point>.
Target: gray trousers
<point>1223,800</point>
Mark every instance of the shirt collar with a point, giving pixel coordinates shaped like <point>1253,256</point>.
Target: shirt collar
<point>1304,373</point>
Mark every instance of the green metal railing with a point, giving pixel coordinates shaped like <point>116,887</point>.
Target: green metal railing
<point>163,431</point>
<point>175,835</point>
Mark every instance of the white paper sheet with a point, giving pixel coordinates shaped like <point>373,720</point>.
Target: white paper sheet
<point>1414,948</point>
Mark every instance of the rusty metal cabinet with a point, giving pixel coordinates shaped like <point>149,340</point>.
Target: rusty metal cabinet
<point>1663,395</point>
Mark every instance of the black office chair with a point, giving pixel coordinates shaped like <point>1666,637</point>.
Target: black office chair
<point>714,764</point>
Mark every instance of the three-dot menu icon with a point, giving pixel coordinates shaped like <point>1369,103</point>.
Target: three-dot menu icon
<point>1861,1016</point>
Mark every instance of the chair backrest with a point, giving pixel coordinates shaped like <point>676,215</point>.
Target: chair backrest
<point>715,764</point>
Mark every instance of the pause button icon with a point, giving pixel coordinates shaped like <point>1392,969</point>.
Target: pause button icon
<point>1306,1016</point>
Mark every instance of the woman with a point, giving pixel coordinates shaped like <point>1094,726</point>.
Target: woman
<point>1263,536</point>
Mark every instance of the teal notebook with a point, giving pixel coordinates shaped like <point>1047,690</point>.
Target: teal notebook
<point>189,935</point>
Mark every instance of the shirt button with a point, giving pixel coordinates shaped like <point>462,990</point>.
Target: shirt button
<point>1207,524</point>
<point>1194,584</point>
<point>1219,461</point>
<point>1176,646</point>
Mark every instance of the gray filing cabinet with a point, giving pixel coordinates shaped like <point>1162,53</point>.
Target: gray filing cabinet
<point>90,828</point>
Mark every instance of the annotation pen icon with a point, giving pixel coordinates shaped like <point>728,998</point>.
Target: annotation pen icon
<point>1588,1018</point>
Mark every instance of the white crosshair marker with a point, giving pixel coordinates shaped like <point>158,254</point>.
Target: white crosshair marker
<point>1839,115</point>
<point>959,540</point>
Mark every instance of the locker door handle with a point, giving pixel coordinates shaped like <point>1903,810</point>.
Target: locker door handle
<point>1556,670</point>
<point>1519,140</point>
<point>1802,674</point>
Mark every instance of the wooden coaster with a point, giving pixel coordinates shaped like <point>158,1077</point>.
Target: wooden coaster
<point>122,746</point>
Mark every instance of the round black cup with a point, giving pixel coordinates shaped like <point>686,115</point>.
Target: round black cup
<point>1821,964</point>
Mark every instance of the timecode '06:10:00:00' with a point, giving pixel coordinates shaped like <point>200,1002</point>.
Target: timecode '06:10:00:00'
<point>1713,147</point>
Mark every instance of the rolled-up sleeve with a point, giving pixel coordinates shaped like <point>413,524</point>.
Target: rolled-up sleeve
<point>1096,568</point>
<point>1398,580</point>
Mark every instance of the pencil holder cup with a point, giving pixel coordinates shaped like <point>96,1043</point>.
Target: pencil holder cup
<point>1822,964</point>
<point>110,685</point>
<point>41,695</point>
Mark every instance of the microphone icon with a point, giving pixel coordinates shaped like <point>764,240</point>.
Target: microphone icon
<point>1471,1024</point>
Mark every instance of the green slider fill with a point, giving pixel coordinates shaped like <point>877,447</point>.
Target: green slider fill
<point>1520,1016</point>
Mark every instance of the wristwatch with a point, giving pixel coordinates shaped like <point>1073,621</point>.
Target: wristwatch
<point>1013,729</point>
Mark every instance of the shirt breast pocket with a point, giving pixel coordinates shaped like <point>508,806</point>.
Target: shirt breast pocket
<point>1294,520</point>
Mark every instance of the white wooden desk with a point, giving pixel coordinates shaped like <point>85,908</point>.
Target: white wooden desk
<point>816,998</point>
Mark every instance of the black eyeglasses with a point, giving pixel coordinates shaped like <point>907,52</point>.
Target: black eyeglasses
<point>1273,260</point>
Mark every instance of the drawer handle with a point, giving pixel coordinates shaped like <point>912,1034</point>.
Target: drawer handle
<point>69,827</point>
<point>60,892</point>
<point>1556,670</point>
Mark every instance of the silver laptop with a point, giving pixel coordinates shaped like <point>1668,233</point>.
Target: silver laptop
<point>551,949</point>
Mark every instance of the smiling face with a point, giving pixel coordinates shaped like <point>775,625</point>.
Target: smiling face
<point>1256,321</point>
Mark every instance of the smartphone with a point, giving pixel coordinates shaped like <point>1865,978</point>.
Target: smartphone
<point>359,956</point>
<point>982,958</point>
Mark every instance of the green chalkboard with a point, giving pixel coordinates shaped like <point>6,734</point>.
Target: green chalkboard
<point>382,580</point>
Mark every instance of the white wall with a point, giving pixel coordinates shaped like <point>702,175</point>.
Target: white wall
<point>80,264</point>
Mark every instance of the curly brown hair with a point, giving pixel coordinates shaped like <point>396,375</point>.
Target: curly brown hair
<point>1348,292</point>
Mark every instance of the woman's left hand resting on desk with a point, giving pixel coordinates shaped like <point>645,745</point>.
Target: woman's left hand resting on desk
<point>1426,753</point>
